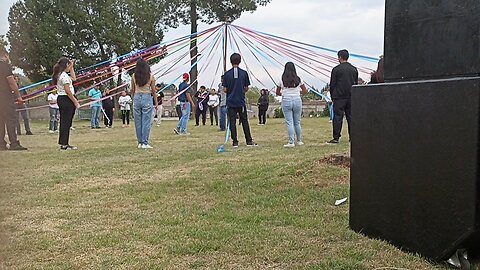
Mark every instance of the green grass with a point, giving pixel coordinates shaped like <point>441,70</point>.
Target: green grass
<point>182,205</point>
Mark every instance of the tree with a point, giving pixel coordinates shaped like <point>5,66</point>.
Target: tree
<point>41,31</point>
<point>207,11</point>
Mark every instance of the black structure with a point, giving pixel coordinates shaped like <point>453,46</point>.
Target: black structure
<point>415,168</point>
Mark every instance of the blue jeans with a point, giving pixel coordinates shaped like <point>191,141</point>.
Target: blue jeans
<point>54,116</point>
<point>95,115</point>
<point>330,110</point>
<point>292,109</point>
<point>142,113</point>
<point>223,117</point>
<point>182,124</point>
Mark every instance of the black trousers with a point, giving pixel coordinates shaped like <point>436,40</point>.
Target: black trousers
<point>108,121</point>
<point>232,118</point>
<point>262,115</point>
<point>341,107</point>
<point>199,112</point>
<point>213,113</point>
<point>178,109</point>
<point>126,116</point>
<point>67,111</point>
<point>8,120</point>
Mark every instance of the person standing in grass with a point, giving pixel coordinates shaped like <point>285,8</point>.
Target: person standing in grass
<point>236,82</point>
<point>213,102</point>
<point>159,111</point>
<point>67,102</point>
<point>143,88</point>
<point>223,106</point>
<point>262,107</point>
<point>9,95</point>
<point>95,95</point>
<point>291,88</point>
<point>202,100</point>
<point>186,104</point>
<point>343,77</point>
<point>53,111</point>
<point>23,112</point>
<point>108,105</point>
<point>124,101</point>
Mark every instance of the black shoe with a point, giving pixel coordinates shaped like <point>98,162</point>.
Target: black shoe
<point>252,143</point>
<point>176,131</point>
<point>29,133</point>
<point>17,147</point>
<point>333,141</point>
<point>235,144</point>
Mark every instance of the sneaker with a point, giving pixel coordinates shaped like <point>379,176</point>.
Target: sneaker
<point>333,141</point>
<point>185,133</point>
<point>330,121</point>
<point>51,131</point>
<point>252,143</point>
<point>123,126</point>
<point>68,147</point>
<point>139,146</point>
<point>176,131</point>
<point>17,147</point>
<point>289,145</point>
<point>146,146</point>
<point>300,143</point>
<point>72,128</point>
<point>29,133</point>
<point>235,144</point>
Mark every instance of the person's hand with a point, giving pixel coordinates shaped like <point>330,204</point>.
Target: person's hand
<point>19,100</point>
<point>77,104</point>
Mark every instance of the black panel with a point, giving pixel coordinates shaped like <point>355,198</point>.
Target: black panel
<point>431,39</point>
<point>415,165</point>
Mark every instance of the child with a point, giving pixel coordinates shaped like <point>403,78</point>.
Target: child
<point>53,110</point>
<point>125,101</point>
<point>213,102</point>
<point>157,114</point>
<point>262,107</point>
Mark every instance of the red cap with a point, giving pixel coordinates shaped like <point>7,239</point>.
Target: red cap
<point>186,76</point>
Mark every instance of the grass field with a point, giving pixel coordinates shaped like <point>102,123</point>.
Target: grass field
<point>182,205</point>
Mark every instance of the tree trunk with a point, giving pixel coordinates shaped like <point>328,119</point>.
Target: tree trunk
<point>193,44</point>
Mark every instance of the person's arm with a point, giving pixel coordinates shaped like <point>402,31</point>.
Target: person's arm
<point>73,76</point>
<point>154,92</point>
<point>333,81</point>
<point>12,83</point>
<point>225,89</point>
<point>189,98</point>
<point>133,86</point>
<point>70,95</point>
<point>278,91</point>
<point>304,89</point>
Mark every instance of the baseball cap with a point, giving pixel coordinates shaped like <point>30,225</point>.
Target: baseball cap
<point>186,76</point>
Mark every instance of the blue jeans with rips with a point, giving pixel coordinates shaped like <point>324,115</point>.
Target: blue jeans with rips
<point>142,113</point>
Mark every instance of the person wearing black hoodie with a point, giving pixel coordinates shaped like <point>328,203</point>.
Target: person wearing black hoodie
<point>108,108</point>
<point>262,107</point>
<point>343,77</point>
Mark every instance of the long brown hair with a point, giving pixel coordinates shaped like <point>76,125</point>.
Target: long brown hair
<point>289,77</point>
<point>59,67</point>
<point>142,72</point>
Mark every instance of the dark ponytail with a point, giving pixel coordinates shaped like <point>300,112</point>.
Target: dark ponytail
<point>59,67</point>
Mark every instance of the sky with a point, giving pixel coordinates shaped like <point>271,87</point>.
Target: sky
<point>356,25</point>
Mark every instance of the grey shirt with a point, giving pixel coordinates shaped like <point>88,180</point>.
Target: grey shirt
<point>223,96</point>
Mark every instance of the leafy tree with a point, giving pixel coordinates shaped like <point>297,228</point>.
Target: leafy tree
<point>41,31</point>
<point>207,11</point>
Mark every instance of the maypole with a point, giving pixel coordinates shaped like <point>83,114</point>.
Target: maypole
<point>225,47</point>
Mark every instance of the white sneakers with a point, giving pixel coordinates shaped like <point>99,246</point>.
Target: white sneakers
<point>291,145</point>
<point>144,146</point>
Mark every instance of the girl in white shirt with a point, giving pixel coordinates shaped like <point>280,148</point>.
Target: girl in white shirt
<point>290,88</point>
<point>125,101</point>
<point>53,110</point>
<point>213,102</point>
<point>66,101</point>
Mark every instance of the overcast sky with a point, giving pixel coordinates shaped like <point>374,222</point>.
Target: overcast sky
<point>353,24</point>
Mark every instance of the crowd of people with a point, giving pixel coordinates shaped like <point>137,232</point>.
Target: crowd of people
<point>146,98</point>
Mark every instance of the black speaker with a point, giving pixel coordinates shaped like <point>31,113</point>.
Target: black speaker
<point>415,165</point>
<point>427,39</point>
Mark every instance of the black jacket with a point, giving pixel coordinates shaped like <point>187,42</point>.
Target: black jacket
<point>343,77</point>
<point>263,102</point>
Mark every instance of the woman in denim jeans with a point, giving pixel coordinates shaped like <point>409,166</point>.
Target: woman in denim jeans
<point>290,88</point>
<point>143,88</point>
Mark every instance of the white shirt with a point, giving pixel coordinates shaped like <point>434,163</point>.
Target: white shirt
<point>62,80</point>
<point>213,100</point>
<point>124,102</point>
<point>52,97</point>
<point>290,92</point>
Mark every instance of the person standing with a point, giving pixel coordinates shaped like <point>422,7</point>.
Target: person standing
<point>343,77</point>
<point>186,104</point>
<point>108,105</point>
<point>9,95</point>
<point>53,111</point>
<point>159,111</point>
<point>143,88</point>
<point>328,99</point>
<point>124,101</point>
<point>262,107</point>
<point>223,106</point>
<point>22,112</point>
<point>236,82</point>
<point>67,102</point>
<point>213,102</point>
<point>202,100</point>
<point>95,95</point>
<point>290,88</point>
